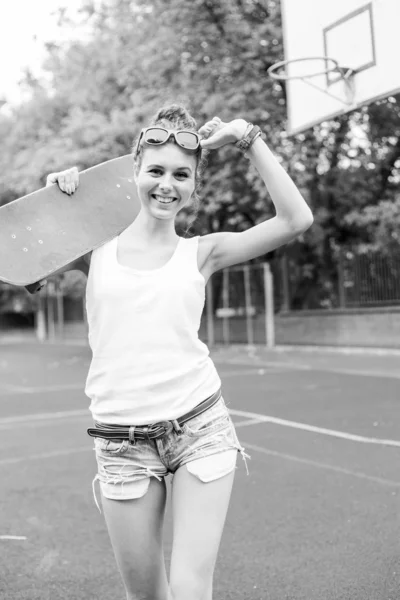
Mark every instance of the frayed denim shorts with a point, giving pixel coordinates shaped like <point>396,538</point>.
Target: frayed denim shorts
<point>207,444</point>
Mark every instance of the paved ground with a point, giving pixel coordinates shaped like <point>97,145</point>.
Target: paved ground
<point>316,519</point>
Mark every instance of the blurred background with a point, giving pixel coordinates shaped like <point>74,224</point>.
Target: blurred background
<point>81,80</point>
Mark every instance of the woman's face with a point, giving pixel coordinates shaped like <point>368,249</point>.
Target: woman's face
<point>166,180</point>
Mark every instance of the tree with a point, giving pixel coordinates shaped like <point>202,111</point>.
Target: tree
<point>212,55</point>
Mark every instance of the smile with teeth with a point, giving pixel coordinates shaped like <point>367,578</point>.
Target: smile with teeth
<point>163,199</point>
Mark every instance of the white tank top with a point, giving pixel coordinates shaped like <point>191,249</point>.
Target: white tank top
<point>148,364</point>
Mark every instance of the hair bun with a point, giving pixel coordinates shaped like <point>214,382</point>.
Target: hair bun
<point>175,115</point>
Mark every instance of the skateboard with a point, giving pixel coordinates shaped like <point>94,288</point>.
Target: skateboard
<point>46,230</point>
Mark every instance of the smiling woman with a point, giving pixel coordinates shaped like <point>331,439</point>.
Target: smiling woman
<point>155,393</point>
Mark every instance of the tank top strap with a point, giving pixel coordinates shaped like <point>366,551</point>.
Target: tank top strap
<point>187,253</point>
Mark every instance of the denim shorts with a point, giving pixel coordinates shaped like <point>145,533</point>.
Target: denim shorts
<point>207,444</point>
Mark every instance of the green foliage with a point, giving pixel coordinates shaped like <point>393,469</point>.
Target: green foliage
<point>213,55</point>
<point>380,225</point>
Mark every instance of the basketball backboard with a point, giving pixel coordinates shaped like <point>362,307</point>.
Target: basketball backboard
<point>360,35</point>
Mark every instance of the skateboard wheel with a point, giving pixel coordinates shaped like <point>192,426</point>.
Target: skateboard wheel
<point>40,241</point>
<point>25,249</point>
<point>118,185</point>
<point>13,236</point>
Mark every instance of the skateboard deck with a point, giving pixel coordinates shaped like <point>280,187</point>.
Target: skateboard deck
<point>46,230</point>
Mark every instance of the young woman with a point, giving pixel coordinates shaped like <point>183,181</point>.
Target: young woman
<point>155,393</point>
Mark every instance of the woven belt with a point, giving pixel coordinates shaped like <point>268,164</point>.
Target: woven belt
<point>153,431</point>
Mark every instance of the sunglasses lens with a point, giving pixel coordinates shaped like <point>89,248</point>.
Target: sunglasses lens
<point>155,136</point>
<point>188,140</point>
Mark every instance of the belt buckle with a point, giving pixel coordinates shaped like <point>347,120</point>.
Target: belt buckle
<point>168,426</point>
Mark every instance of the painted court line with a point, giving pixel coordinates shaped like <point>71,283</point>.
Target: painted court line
<point>13,537</point>
<point>304,427</point>
<point>359,372</point>
<point>26,419</point>
<point>313,463</point>
<point>320,368</point>
<point>45,389</point>
<point>18,459</point>
<point>258,362</point>
<point>257,370</point>
<point>57,388</point>
<point>247,422</point>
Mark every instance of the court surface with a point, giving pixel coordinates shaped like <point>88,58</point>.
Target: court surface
<point>316,518</point>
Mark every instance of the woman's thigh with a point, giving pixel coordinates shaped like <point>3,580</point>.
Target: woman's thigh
<point>133,493</point>
<point>199,513</point>
<point>135,528</point>
<point>205,460</point>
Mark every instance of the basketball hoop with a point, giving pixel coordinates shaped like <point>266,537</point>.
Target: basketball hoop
<point>345,74</point>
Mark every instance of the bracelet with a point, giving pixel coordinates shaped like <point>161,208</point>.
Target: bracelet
<point>259,134</point>
<point>249,138</point>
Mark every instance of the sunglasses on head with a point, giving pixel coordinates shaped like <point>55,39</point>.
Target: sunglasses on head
<point>156,136</point>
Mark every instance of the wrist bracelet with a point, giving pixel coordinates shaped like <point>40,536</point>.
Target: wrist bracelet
<point>259,134</point>
<point>245,143</point>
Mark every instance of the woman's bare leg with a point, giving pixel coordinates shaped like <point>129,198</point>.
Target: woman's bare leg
<point>135,528</point>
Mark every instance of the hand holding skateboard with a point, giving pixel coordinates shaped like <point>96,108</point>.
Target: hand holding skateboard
<point>75,213</point>
<point>68,180</point>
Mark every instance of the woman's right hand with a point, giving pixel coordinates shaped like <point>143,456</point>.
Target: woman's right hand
<point>68,180</point>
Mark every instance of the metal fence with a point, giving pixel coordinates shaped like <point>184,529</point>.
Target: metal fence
<point>239,306</point>
<point>347,279</point>
<point>370,279</point>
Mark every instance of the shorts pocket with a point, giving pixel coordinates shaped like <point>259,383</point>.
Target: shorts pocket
<point>113,447</point>
<point>212,420</point>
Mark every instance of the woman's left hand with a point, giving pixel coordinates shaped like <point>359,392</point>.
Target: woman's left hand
<point>220,134</point>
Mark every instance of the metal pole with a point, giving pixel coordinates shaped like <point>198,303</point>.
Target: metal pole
<point>269,306</point>
<point>50,310</point>
<point>210,316</point>
<point>60,309</point>
<point>285,284</point>
<point>40,319</point>
<point>225,304</point>
<point>342,291</point>
<point>247,296</point>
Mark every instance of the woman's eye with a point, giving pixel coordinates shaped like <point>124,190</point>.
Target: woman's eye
<point>157,171</point>
<point>181,175</point>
